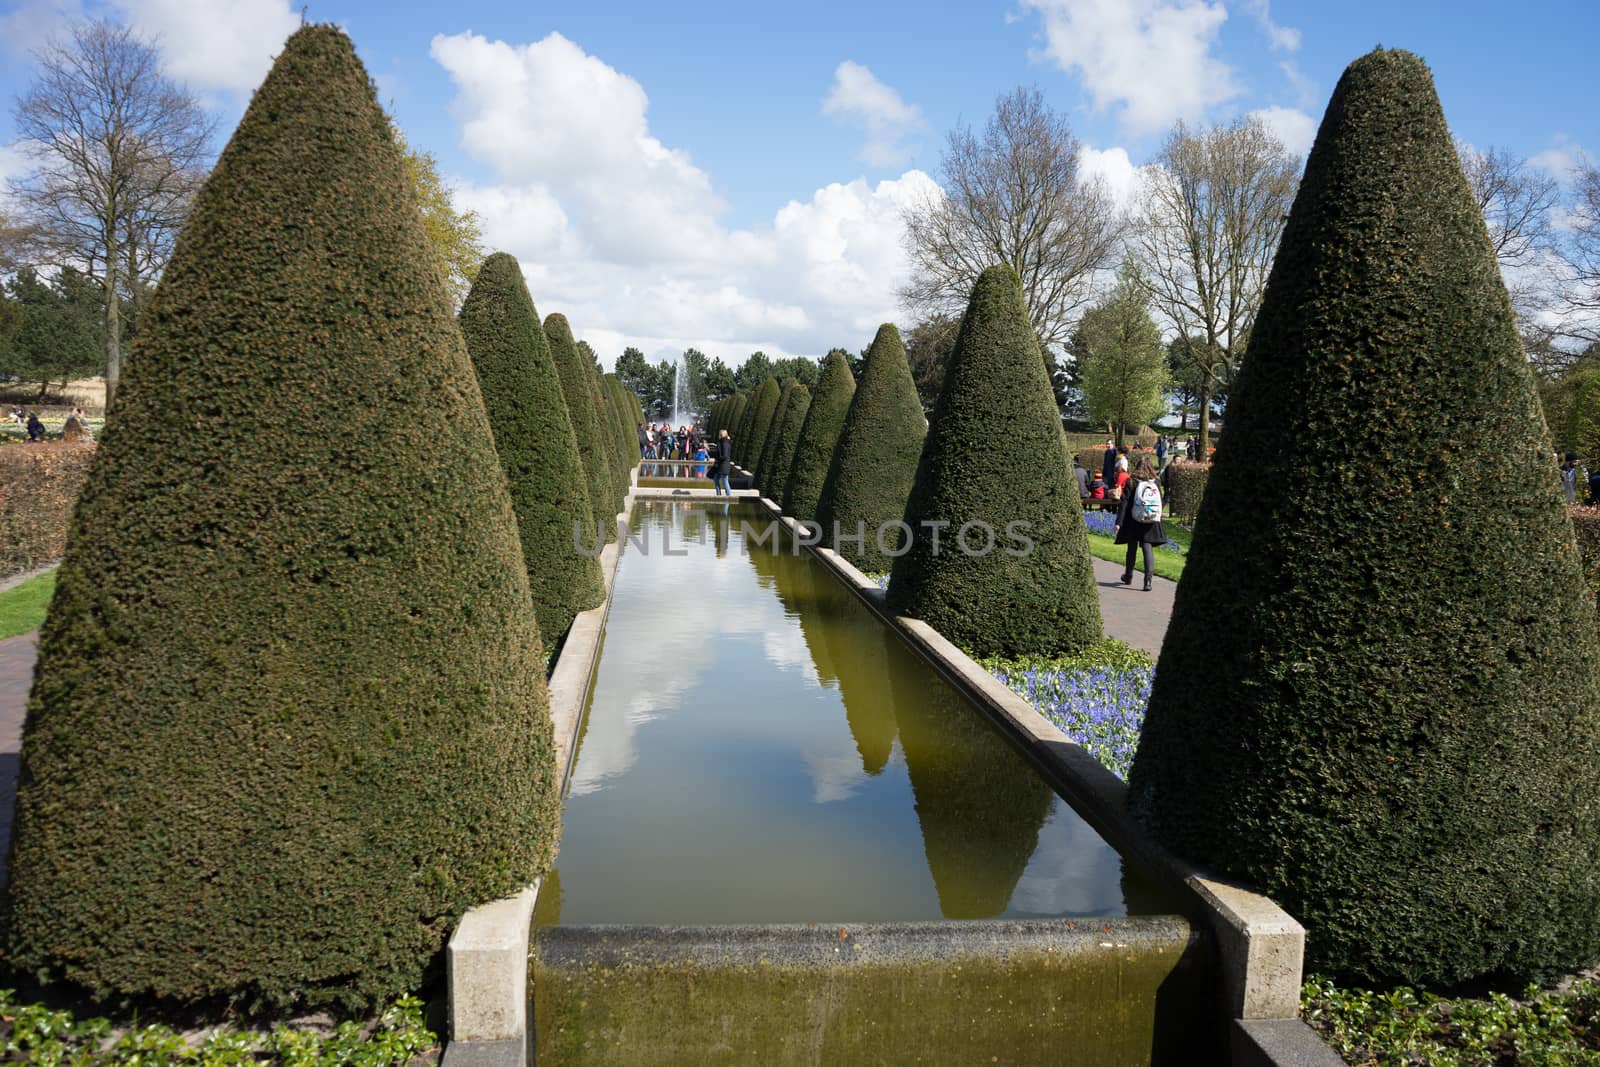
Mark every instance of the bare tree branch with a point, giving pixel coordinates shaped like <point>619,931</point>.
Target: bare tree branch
<point>1014,194</point>
<point>1211,213</point>
<point>118,150</point>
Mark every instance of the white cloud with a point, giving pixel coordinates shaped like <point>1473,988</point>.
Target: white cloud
<point>860,97</point>
<point>623,234</point>
<point>30,25</point>
<point>1113,167</point>
<point>1150,58</point>
<point>1293,127</point>
<point>1562,159</point>
<point>221,44</point>
<point>1281,38</point>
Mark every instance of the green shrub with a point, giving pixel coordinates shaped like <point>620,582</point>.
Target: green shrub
<point>623,402</point>
<point>875,461</point>
<point>992,458</point>
<point>786,424</point>
<point>738,405</point>
<point>41,485</point>
<point>606,425</point>
<point>813,452</point>
<point>1383,708</point>
<point>746,417</point>
<point>1186,487</point>
<point>289,718</point>
<point>763,409</point>
<point>575,389</point>
<point>533,436</point>
<point>1586,525</point>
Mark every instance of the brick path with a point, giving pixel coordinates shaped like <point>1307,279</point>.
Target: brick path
<point>1130,613</point>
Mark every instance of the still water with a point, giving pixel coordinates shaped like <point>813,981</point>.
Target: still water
<point>759,748</point>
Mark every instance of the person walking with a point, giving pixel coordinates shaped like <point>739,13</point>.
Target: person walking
<point>1569,478</point>
<point>1139,521</point>
<point>724,465</point>
<point>1161,451</point>
<point>1108,462</point>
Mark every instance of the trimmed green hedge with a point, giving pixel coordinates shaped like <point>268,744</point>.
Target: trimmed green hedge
<point>576,390</point>
<point>291,679</point>
<point>623,403</point>
<point>606,427</point>
<point>1383,708</point>
<point>533,436</point>
<point>813,453</point>
<point>783,440</point>
<point>875,461</point>
<point>763,409</point>
<point>1186,487</point>
<point>992,458</point>
<point>738,409</point>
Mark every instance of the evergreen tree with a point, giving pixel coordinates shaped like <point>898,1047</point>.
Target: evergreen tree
<point>993,457</point>
<point>288,677</point>
<point>1381,703</point>
<point>875,462</point>
<point>1121,364</point>
<point>813,451</point>
<point>606,433</point>
<point>533,436</point>
<point>783,440</point>
<point>763,408</point>
<point>785,397</point>
<point>741,438</point>
<point>626,405</point>
<point>575,388</point>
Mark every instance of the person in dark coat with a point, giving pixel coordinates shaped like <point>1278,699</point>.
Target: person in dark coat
<point>1135,534</point>
<point>35,427</point>
<point>724,467</point>
<point>1108,463</point>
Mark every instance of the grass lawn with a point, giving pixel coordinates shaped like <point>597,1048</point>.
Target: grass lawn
<point>22,608</point>
<point>1168,564</point>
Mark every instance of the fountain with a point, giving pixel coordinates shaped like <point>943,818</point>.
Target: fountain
<point>683,402</point>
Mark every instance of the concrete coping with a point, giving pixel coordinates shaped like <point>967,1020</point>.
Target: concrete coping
<point>486,960</point>
<point>1261,946</point>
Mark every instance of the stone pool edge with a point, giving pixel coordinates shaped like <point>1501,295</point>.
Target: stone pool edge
<point>1260,946</point>
<point>486,959</point>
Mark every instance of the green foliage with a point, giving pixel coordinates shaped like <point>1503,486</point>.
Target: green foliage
<point>1121,364</point>
<point>35,1033</point>
<point>291,670</point>
<point>606,427</point>
<point>456,237</point>
<point>875,461</point>
<point>533,436</point>
<point>577,390</point>
<point>625,405</point>
<point>783,440</point>
<point>819,435</point>
<point>1383,707</point>
<point>23,606</point>
<point>635,372</point>
<point>758,423</point>
<point>51,332</point>
<point>733,422</point>
<point>753,371</point>
<point>1186,487</point>
<point>1403,1027</point>
<point>928,349</point>
<point>720,382</point>
<point>993,457</point>
<point>763,472</point>
<point>803,370</point>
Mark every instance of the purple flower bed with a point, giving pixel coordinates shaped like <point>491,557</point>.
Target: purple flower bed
<point>1102,522</point>
<point>1100,708</point>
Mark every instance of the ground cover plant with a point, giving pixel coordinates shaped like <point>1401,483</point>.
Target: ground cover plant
<point>39,1034</point>
<point>1405,1027</point>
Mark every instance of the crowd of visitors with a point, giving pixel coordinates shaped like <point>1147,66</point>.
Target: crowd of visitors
<point>662,442</point>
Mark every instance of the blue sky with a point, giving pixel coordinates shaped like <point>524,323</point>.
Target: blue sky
<point>731,175</point>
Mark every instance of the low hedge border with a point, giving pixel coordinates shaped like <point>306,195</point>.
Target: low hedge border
<point>39,486</point>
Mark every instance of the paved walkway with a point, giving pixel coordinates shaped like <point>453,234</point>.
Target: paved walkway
<point>1130,613</point>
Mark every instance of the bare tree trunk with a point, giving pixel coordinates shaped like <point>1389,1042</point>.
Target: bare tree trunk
<point>113,328</point>
<point>1205,417</point>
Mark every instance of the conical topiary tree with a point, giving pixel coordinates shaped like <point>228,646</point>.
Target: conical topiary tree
<point>763,409</point>
<point>781,442</point>
<point>290,680</point>
<point>606,432</point>
<point>1379,697</point>
<point>813,452</point>
<point>585,423</point>
<point>875,461</point>
<point>737,408</point>
<point>533,436</point>
<point>763,475</point>
<point>992,459</point>
<point>624,403</point>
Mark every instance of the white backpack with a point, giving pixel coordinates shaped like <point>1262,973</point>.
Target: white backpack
<point>1147,502</point>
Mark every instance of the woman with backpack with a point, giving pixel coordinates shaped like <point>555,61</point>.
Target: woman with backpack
<point>1139,520</point>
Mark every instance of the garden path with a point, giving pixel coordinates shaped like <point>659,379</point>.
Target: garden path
<point>1130,613</point>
